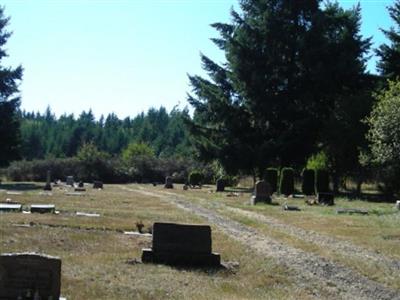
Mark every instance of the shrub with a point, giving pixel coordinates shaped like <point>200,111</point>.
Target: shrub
<point>286,186</point>
<point>271,176</point>
<point>321,181</point>
<point>308,184</point>
<point>195,178</point>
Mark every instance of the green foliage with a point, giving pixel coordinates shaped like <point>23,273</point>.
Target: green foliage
<point>93,163</point>
<point>321,181</point>
<point>308,184</point>
<point>389,64</point>
<point>135,150</point>
<point>271,176</point>
<point>286,184</point>
<point>384,136</point>
<point>9,100</point>
<point>196,178</point>
<point>318,161</point>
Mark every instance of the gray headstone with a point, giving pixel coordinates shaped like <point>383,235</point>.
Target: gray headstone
<point>220,185</point>
<point>261,193</point>
<point>97,184</point>
<point>23,274</point>
<point>70,180</point>
<point>168,183</point>
<point>10,207</point>
<point>181,244</point>
<point>43,208</point>
<point>47,187</point>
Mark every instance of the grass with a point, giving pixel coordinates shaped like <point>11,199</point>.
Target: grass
<point>99,262</point>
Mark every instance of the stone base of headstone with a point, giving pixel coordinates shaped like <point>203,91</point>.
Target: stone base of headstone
<point>10,207</point>
<point>181,245</point>
<point>254,200</point>
<point>326,199</point>
<point>181,259</point>
<point>42,208</point>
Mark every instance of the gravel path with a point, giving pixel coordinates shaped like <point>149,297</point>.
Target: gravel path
<point>309,269</point>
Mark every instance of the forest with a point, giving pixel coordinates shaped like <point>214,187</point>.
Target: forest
<point>294,92</point>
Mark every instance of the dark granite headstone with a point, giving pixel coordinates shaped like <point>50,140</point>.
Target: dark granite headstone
<point>326,198</point>
<point>168,183</point>
<point>81,184</point>
<point>97,184</point>
<point>43,208</point>
<point>47,187</point>
<point>70,180</point>
<point>261,193</point>
<point>10,207</point>
<point>220,185</point>
<point>27,274</point>
<point>179,244</point>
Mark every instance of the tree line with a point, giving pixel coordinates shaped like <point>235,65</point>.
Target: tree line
<point>293,92</point>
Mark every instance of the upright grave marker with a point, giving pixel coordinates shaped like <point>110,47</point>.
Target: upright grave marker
<point>70,180</point>
<point>261,193</point>
<point>168,183</point>
<point>29,276</point>
<point>181,244</point>
<point>220,185</point>
<point>47,187</point>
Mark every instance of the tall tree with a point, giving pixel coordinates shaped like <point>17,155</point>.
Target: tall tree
<point>389,64</point>
<point>9,100</point>
<point>265,105</point>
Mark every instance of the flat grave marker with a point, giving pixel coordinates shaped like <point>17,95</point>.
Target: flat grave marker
<point>10,207</point>
<point>43,208</point>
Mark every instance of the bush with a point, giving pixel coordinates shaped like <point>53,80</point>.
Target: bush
<point>286,186</point>
<point>321,181</point>
<point>195,178</point>
<point>271,177</point>
<point>308,184</point>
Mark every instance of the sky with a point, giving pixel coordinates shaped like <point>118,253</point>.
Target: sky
<point>124,56</point>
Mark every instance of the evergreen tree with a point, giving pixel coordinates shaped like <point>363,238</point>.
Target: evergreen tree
<point>389,64</point>
<point>9,100</point>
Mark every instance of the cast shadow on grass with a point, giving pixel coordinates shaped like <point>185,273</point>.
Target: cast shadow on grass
<point>20,186</point>
<point>375,198</point>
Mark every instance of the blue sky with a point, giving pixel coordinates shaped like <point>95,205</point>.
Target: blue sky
<point>123,56</point>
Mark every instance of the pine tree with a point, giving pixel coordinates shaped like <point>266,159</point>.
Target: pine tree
<point>9,100</point>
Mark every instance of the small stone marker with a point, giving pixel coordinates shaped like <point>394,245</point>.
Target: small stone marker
<point>326,199</point>
<point>74,194</point>
<point>29,276</point>
<point>97,184</point>
<point>291,207</point>
<point>14,193</point>
<point>10,207</point>
<point>181,244</point>
<point>168,183</point>
<point>397,206</point>
<point>80,189</point>
<point>301,196</point>
<point>43,208</point>
<point>47,187</point>
<point>185,187</point>
<point>261,193</point>
<point>81,184</point>
<point>220,183</point>
<point>79,213</point>
<point>70,180</point>
<point>352,211</point>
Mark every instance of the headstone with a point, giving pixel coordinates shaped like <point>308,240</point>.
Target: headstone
<point>180,244</point>
<point>326,199</point>
<point>220,185</point>
<point>29,276</point>
<point>81,184</point>
<point>47,187</point>
<point>291,207</point>
<point>97,184</point>
<point>185,187</point>
<point>168,183</point>
<point>10,207</point>
<point>70,180</point>
<point>398,204</point>
<point>43,208</point>
<point>261,193</point>
<point>352,211</point>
